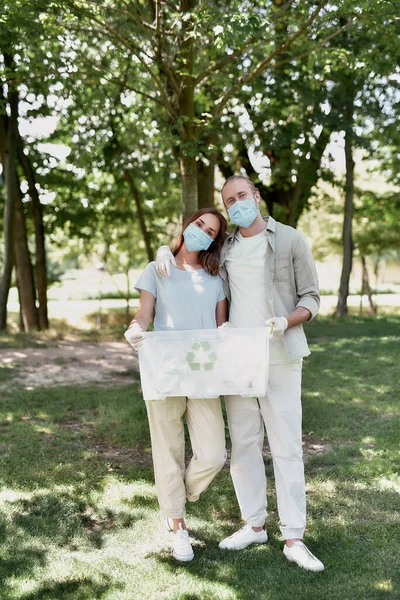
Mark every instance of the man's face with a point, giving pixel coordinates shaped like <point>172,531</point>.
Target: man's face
<point>238,190</point>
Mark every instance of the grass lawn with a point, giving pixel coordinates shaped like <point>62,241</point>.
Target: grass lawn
<point>78,512</point>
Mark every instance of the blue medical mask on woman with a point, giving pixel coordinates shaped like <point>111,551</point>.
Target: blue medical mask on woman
<point>243,212</point>
<point>196,239</point>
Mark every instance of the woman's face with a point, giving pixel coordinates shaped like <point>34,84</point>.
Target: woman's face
<point>209,223</point>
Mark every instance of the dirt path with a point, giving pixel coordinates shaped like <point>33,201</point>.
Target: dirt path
<point>72,362</point>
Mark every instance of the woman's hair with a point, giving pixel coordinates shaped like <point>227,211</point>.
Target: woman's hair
<point>209,259</point>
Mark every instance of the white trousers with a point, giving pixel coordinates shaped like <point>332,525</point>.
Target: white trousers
<point>280,413</point>
<point>205,423</point>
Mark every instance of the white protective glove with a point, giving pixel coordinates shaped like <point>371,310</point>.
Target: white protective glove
<point>278,326</point>
<point>134,335</point>
<point>224,327</point>
<point>163,259</point>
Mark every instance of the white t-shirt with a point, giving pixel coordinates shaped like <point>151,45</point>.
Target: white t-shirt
<point>246,268</point>
<point>187,300</point>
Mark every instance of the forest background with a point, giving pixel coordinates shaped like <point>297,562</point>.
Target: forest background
<point>119,118</point>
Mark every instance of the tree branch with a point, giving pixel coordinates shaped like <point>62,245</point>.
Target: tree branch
<point>266,61</point>
<point>221,64</point>
<point>141,22</point>
<point>132,48</point>
<point>282,10</point>
<point>320,43</point>
<point>161,63</point>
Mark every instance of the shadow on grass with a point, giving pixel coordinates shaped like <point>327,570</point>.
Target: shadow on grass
<point>80,589</point>
<point>54,482</point>
<point>350,393</point>
<point>353,327</point>
<point>17,561</point>
<point>355,554</point>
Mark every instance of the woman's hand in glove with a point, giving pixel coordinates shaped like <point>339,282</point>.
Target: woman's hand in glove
<point>134,335</point>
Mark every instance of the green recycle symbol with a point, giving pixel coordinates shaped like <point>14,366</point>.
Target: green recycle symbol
<point>193,360</point>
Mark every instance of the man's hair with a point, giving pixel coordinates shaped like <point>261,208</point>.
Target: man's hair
<point>236,178</point>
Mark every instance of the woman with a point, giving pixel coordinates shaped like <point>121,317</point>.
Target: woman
<point>192,298</point>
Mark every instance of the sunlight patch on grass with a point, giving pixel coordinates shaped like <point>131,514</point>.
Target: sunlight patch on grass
<point>383,484</point>
<point>116,493</point>
<point>13,496</point>
<point>385,585</point>
<point>322,487</point>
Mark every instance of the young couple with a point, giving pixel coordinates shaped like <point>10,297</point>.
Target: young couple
<point>266,272</point>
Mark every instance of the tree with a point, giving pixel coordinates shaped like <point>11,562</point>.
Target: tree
<point>189,67</point>
<point>356,78</point>
<point>286,119</point>
<point>9,157</point>
<point>377,229</point>
<point>19,30</point>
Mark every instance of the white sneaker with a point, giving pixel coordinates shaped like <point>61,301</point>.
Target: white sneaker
<point>181,547</point>
<point>300,554</point>
<point>243,538</point>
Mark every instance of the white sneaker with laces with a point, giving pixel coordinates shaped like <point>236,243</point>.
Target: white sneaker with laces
<point>181,547</point>
<point>243,538</point>
<point>301,555</point>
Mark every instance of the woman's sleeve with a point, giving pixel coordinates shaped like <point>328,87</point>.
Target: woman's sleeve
<point>221,293</point>
<point>148,280</point>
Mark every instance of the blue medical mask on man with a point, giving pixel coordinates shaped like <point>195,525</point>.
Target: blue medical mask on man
<point>243,212</point>
<point>196,239</point>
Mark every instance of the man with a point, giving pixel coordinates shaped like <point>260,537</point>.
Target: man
<point>269,278</point>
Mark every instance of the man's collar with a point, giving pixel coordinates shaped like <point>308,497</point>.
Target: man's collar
<point>271,226</point>
<point>271,223</point>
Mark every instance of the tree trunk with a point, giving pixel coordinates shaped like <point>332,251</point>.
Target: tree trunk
<point>37,212</point>
<point>205,183</point>
<point>293,204</point>
<point>206,174</point>
<point>188,167</point>
<point>365,287</point>
<point>139,210</point>
<point>341,308</point>
<point>10,127</point>
<point>24,269</point>
<point>188,142</point>
<point>136,196</point>
<point>21,320</point>
<point>128,297</point>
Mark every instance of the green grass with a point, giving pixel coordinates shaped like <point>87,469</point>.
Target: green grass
<point>78,512</point>
<point>59,331</point>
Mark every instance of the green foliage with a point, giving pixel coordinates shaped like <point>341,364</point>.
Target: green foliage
<point>114,77</point>
<point>377,226</point>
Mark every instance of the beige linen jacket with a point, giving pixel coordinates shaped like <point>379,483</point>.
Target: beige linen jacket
<point>292,279</point>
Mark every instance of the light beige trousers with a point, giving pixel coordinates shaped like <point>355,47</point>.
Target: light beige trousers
<point>280,412</point>
<point>205,423</point>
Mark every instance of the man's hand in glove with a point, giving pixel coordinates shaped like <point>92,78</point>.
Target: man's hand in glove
<point>164,259</point>
<point>280,325</point>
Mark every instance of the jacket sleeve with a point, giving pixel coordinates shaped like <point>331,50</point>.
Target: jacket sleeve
<point>306,278</point>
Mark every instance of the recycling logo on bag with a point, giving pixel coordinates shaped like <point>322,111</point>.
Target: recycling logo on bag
<point>201,356</point>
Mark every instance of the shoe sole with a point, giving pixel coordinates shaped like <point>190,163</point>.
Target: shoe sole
<point>182,558</point>
<point>243,547</point>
